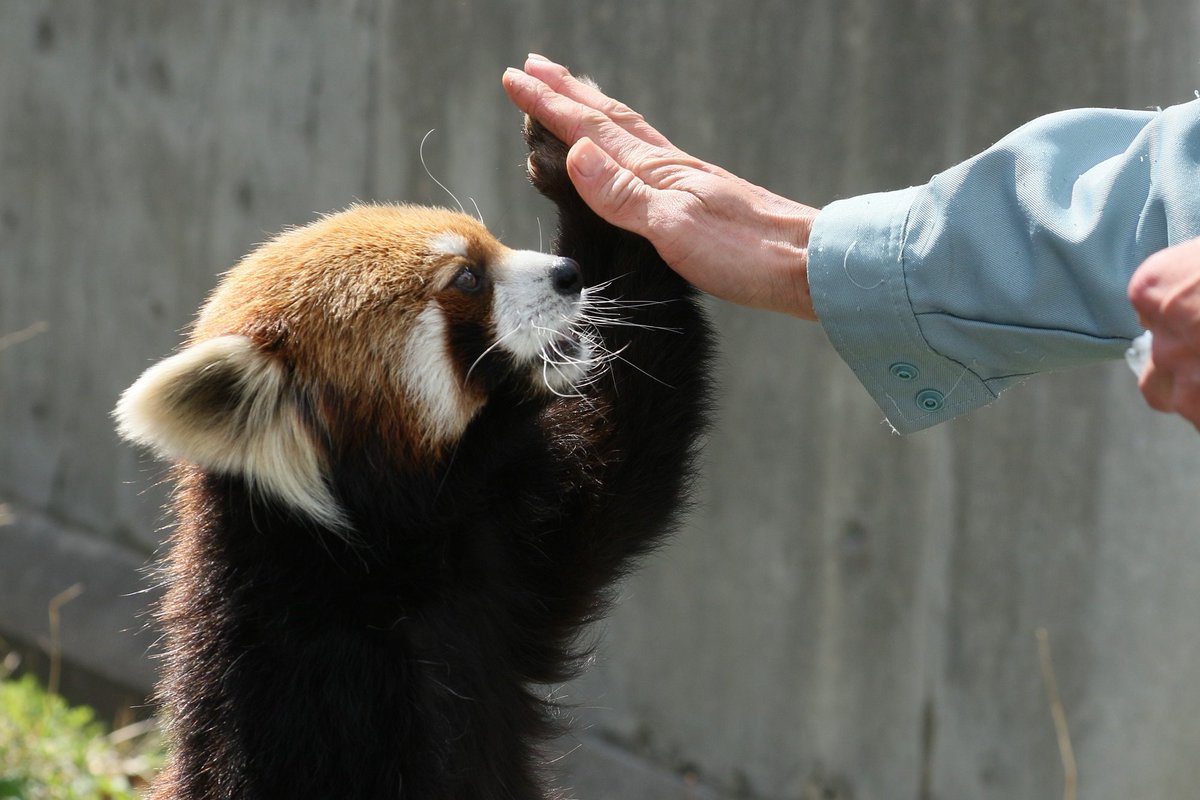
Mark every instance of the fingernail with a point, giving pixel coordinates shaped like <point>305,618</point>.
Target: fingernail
<point>516,79</point>
<point>536,57</point>
<point>587,158</point>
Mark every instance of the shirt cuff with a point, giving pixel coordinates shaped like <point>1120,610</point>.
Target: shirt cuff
<point>856,273</point>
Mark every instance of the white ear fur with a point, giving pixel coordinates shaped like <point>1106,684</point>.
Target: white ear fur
<point>222,405</point>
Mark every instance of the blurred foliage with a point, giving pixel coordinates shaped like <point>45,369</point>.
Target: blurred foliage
<point>50,750</point>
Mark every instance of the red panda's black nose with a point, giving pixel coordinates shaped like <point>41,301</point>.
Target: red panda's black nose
<point>567,277</point>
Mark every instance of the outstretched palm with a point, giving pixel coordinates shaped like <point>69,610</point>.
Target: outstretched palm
<point>727,236</point>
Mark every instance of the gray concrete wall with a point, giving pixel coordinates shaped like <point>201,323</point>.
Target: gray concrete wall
<point>848,614</point>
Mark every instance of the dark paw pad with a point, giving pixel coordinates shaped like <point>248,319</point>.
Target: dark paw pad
<point>547,162</point>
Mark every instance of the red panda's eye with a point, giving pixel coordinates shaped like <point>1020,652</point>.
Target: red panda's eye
<point>468,281</point>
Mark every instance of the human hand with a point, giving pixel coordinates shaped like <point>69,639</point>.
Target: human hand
<point>725,235</point>
<point>1165,291</point>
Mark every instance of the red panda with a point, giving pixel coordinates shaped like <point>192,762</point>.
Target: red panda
<point>410,464</point>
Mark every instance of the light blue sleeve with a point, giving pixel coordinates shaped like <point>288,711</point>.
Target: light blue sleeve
<point>1013,263</point>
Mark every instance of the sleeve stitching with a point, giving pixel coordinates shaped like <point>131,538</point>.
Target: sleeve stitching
<point>916,315</point>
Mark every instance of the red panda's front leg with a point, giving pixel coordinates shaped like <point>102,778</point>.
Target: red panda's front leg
<point>646,405</point>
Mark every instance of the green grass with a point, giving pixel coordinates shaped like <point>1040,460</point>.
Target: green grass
<point>52,751</point>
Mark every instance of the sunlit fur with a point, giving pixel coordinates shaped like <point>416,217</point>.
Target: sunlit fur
<point>258,430</point>
<point>411,463</point>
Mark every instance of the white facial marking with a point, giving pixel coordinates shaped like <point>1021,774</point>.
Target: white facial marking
<point>427,372</point>
<point>535,322</point>
<point>450,244</point>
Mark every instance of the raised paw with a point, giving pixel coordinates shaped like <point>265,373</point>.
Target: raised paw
<point>547,162</point>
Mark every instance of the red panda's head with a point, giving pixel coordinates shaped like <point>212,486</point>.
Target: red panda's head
<point>394,322</point>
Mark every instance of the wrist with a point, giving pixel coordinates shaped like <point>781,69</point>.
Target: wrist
<point>790,281</point>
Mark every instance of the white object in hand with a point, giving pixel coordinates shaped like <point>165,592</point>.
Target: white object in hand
<point>1138,354</point>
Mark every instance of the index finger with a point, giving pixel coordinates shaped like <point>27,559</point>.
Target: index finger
<point>583,90</point>
<point>571,120</point>
<point>559,79</point>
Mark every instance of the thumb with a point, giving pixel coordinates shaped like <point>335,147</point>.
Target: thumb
<point>613,192</point>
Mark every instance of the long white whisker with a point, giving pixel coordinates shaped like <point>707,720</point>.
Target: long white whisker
<point>598,318</point>
<point>614,279</point>
<point>593,296</point>
<point>647,374</point>
<point>482,355</point>
<point>594,312</point>
<point>563,358</point>
<point>619,303</point>
<point>546,364</point>
<point>623,323</point>
<point>421,153</point>
<point>603,311</point>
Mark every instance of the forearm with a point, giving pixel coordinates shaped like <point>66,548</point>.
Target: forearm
<point>1013,263</point>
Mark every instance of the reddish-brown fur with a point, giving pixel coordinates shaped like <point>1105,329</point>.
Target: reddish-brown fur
<point>334,300</point>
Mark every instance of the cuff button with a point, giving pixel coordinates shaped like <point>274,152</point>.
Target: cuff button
<point>904,371</point>
<point>930,400</point>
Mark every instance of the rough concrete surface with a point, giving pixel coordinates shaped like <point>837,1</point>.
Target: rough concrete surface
<point>848,614</point>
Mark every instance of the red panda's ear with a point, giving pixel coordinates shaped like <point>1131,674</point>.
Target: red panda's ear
<point>225,406</point>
